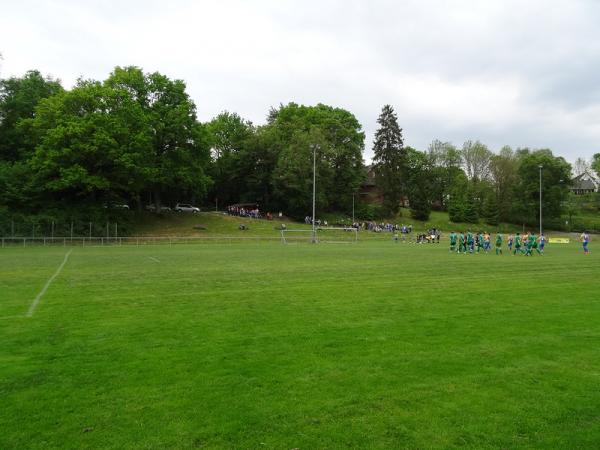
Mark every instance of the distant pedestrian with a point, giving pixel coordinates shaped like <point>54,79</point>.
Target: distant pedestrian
<point>585,240</point>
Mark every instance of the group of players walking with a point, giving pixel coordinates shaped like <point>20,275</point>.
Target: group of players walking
<point>476,242</point>
<point>517,244</point>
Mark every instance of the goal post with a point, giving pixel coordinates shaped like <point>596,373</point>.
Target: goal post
<point>324,235</point>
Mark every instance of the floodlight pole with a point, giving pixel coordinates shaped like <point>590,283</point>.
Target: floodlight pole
<point>314,195</point>
<point>541,199</point>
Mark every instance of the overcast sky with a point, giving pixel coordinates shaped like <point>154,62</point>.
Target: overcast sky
<point>507,72</point>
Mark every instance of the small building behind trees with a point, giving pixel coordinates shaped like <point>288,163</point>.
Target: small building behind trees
<point>369,192</point>
<point>585,184</point>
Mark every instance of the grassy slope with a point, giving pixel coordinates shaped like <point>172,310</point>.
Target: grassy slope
<point>218,224</point>
<point>182,224</point>
<point>373,345</point>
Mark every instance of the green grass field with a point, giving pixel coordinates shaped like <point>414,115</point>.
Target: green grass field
<point>371,345</point>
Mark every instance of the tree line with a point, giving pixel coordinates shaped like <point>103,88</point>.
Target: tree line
<point>135,138</point>
<point>471,182</point>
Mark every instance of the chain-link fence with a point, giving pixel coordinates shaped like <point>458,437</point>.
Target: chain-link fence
<point>34,228</point>
<point>96,241</point>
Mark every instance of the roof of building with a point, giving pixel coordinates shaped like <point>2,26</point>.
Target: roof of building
<point>585,181</point>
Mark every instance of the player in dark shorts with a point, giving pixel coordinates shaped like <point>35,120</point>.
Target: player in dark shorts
<point>517,244</point>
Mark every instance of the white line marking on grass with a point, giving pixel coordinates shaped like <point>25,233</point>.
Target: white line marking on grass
<point>45,288</point>
<point>154,259</point>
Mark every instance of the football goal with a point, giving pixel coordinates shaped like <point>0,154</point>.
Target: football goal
<point>324,235</point>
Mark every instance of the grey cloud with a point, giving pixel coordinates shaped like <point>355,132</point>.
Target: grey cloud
<point>504,72</point>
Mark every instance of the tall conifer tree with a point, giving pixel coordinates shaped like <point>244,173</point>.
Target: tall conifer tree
<point>389,160</point>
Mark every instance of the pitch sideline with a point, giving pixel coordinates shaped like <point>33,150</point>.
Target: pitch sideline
<point>37,299</point>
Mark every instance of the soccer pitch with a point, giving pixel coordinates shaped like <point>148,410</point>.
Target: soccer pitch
<point>369,345</point>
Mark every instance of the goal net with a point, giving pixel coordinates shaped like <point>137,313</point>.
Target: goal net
<point>327,235</point>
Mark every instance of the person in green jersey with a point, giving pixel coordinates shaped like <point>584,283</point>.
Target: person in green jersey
<point>498,244</point>
<point>461,242</point>
<point>479,241</point>
<point>470,242</point>
<point>531,245</point>
<point>518,244</point>
<point>453,241</point>
<point>527,244</point>
<point>534,245</point>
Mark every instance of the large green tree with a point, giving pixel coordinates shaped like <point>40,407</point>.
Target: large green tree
<point>390,160</point>
<point>91,146</point>
<point>102,143</point>
<point>445,161</point>
<point>294,129</point>
<point>256,163</point>
<point>178,153</point>
<point>596,163</point>
<point>293,176</point>
<point>419,181</point>
<point>463,200</point>
<point>555,181</point>
<point>503,170</point>
<point>19,97</point>
<point>230,136</point>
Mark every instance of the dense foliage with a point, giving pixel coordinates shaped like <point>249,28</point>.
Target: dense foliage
<point>134,139</point>
<point>390,160</point>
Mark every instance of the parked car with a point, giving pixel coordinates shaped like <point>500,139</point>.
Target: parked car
<point>153,208</point>
<point>185,207</point>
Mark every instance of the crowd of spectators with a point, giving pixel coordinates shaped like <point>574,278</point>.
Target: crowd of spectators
<point>432,235</point>
<point>382,227</point>
<point>253,213</point>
